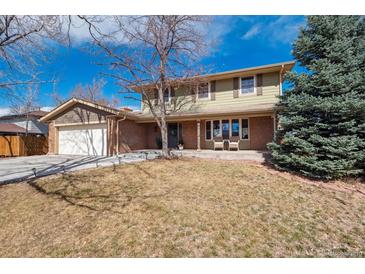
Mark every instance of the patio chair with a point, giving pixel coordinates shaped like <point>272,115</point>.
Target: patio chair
<point>219,145</point>
<point>234,145</point>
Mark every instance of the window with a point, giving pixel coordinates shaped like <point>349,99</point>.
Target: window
<point>208,130</point>
<point>166,95</point>
<point>244,129</point>
<point>203,91</point>
<point>217,128</point>
<point>247,85</point>
<point>225,129</point>
<point>235,127</point>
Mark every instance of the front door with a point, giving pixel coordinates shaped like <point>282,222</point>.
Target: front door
<point>172,135</point>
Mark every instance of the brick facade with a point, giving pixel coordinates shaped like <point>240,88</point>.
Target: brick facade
<point>189,134</point>
<point>52,145</point>
<point>261,132</point>
<point>132,136</point>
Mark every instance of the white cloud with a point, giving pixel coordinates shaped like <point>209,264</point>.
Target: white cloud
<point>282,30</point>
<point>133,107</point>
<point>253,31</point>
<point>79,29</point>
<point>4,111</point>
<point>47,108</point>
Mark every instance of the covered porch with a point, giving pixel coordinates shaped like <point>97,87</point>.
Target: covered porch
<point>240,132</point>
<point>230,132</point>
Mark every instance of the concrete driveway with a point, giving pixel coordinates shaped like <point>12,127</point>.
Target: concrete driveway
<point>24,168</point>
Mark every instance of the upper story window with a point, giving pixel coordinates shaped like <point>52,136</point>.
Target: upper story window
<point>203,91</point>
<point>248,85</point>
<point>167,95</point>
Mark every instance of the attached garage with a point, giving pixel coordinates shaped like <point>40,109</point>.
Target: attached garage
<point>83,140</point>
<point>80,127</point>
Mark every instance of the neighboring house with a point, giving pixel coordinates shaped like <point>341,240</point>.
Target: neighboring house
<point>235,105</point>
<point>23,134</point>
<point>16,124</point>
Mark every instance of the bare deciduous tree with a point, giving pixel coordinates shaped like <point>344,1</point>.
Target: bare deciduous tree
<point>151,55</point>
<point>91,92</point>
<point>26,103</point>
<point>23,43</point>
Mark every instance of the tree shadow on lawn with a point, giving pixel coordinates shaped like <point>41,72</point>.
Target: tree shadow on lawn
<point>96,197</point>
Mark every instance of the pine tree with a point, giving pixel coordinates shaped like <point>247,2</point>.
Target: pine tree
<point>322,115</point>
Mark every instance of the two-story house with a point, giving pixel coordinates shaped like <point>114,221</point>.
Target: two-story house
<point>236,105</point>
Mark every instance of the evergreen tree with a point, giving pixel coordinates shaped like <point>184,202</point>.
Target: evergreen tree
<point>322,116</point>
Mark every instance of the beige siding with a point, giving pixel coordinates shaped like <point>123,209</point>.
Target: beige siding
<point>224,95</point>
<point>81,114</point>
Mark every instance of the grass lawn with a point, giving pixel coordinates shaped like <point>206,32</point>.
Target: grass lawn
<point>179,208</point>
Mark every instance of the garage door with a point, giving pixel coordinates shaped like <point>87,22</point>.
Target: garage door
<point>82,140</point>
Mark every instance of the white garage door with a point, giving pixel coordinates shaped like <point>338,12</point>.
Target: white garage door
<point>82,140</point>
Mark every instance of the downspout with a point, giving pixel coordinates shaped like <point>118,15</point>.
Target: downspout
<point>281,80</point>
<point>281,93</point>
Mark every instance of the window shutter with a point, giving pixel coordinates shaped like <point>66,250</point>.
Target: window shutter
<point>212,90</point>
<point>193,93</point>
<point>235,87</point>
<point>172,94</point>
<point>259,84</point>
<point>155,97</point>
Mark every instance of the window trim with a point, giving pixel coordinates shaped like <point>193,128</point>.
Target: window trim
<point>211,130</point>
<point>169,101</point>
<point>254,86</point>
<point>230,126</point>
<point>220,128</point>
<point>197,92</point>
<point>239,118</point>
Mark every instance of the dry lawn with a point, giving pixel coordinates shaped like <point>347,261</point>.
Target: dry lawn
<point>179,208</point>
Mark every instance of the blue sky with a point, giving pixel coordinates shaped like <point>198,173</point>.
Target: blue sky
<point>239,41</point>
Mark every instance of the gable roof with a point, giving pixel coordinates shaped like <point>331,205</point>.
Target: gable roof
<point>73,101</point>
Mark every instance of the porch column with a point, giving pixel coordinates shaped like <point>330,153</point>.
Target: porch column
<point>198,134</point>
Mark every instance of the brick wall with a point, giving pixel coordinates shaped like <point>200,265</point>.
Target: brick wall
<point>52,138</point>
<point>152,132</point>
<point>261,132</point>
<point>189,132</point>
<point>132,136</point>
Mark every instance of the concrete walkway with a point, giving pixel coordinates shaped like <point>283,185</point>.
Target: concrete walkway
<point>25,168</point>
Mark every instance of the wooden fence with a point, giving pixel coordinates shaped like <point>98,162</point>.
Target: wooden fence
<point>11,146</point>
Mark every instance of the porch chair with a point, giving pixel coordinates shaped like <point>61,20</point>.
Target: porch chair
<point>219,145</point>
<point>234,145</point>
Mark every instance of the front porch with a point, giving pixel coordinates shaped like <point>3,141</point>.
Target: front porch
<point>242,155</point>
<point>243,132</point>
